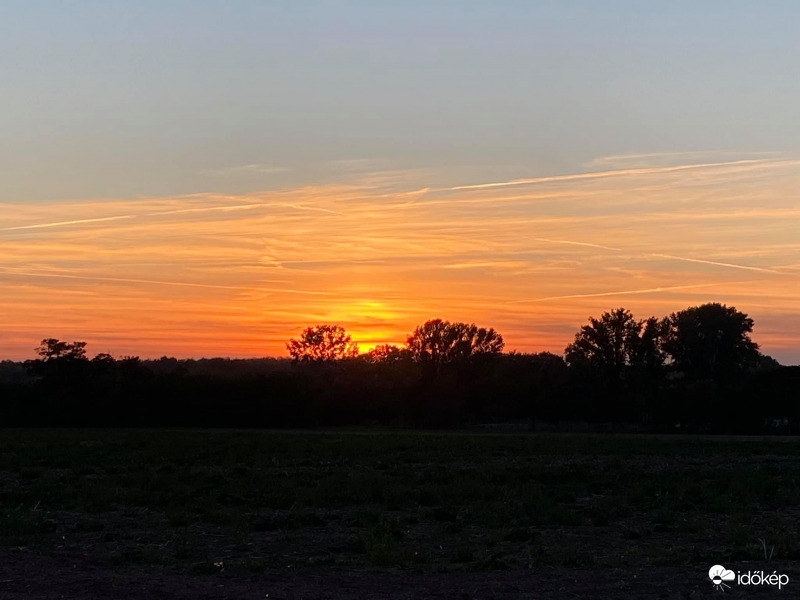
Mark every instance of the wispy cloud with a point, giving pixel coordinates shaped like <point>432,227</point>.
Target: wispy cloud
<point>653,290</point>
<point>605,174</point>
<point>238,170</point>
<point>238,275</point>
<point>357,165</point>
<point>496,264</point>
<point>163,213</point>
<point>208,286</point>
<point>67,223</point>
<point>718,264</point>
<point>652,159</point>
<point>314,208</point>
<point>574,243</point>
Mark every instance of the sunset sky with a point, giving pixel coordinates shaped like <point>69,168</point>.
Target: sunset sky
<point>208,178</point>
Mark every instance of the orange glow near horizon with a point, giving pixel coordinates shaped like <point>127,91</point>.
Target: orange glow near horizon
<point>213,275</point>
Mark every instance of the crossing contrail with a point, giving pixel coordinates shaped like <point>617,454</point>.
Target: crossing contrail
<point>628,292</point>
<point>65,223</point>
<point>573,243</point>
<point>603,174</point>
<point>7,271</point>
<point>177,211</point>
<point>719,264</point>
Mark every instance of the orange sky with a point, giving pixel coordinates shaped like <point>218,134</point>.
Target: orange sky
<point>213,275</point>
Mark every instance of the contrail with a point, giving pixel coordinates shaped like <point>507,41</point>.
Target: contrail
<point>718,264</point>
<point>628,292</point>
<point>577,244</point>
<point>64,223</point>
<point>623,157</point>
<point>602,174</point>
<point>325,210</point>
<point>136,216</point>
<point>480,265</point>
<point>170,283</point>
<point>178,211</point>
<point>226,208</point>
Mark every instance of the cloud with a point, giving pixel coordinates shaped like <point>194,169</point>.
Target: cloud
<point>651,159</point>
<point>629,292</point>
<point>238,274</point>
<point>163,213</point>
<point>67,223</point>
<point>257,169</point>
<point>212,286</point>
<point>497,264</point>
<point>718,264</point>
<point>605,174</point>
<point>357,165</point>
<point>574,243</point>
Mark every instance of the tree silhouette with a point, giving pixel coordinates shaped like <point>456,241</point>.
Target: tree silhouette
<point>711,341</point>
<point>608,344</point>
<point>697,368</point>
<point>618,362</point>
<point>54,349</point>
<point>439,341</point>
<point>59,361</point>
<point>649,355</point>
<point>322,343</point>
<point>387,353</point>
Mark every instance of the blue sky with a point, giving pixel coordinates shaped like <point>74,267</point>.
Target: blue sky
<point>127,99</point>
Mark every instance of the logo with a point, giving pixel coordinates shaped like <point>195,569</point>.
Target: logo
<point>719,575</point>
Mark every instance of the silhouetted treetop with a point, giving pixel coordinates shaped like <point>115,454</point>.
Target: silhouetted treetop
<point>322,343</point>
<point>696,369</point>
<point>711,341</point>
<point>386,353</point>
<point>609,343</point>
<point>650,354</point>
<point>439,341</point>
<point>54,349</point>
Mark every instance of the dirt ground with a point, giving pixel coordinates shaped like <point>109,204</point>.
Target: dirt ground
<point>31,576</point>
<point>259,515</point>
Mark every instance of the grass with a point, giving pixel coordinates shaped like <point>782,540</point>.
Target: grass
<point>203,502</point>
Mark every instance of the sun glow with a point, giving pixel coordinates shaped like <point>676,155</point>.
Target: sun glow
<point>370,323</point>
<point>211,275</point>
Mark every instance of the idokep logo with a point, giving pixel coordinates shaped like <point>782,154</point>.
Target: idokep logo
<point>720,576</point>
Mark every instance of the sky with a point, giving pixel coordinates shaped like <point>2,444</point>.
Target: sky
<point>207,179</point>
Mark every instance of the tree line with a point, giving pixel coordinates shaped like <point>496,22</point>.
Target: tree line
<point>695,370</point>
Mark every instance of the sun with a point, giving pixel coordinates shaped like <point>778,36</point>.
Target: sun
<point>370,323</point>
<point>366,346</point>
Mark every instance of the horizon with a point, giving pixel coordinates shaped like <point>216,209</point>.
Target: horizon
<point>196,181</point>
<point>361,351</point>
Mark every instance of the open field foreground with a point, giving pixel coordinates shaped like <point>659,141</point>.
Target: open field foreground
<point>296,515</point>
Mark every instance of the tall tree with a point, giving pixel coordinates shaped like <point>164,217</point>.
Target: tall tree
<point>649,355</point>
<point>437,341</point>
<point>608,344</point>
<point>322,343</point>
<point>711,341</point>
<point>618,364</point>
<point>54,349</point>
<point>62,365</point>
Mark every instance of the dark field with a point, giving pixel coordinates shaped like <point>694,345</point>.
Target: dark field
<point>246,514</point>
